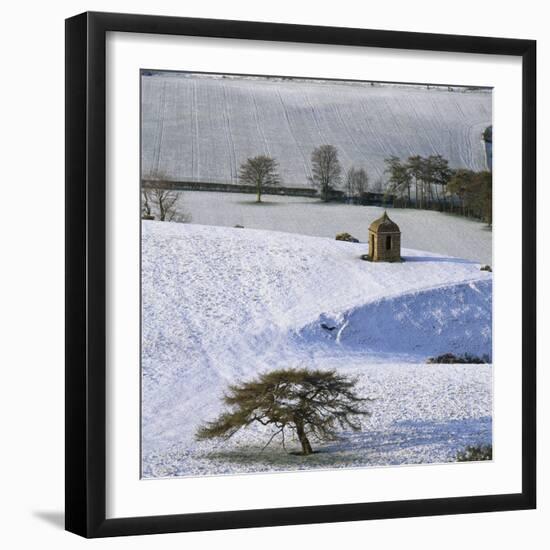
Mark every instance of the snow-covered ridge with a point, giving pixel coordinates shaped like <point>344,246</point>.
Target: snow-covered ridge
<point>222,304</point>
<point>440,233</point>
<point>448,318</point>
<point>202,129</point>
<point>285,280</point>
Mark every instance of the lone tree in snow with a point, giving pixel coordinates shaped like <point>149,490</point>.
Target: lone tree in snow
<point>306,403</point>
<point>326,170</point>
<point>260,171</point>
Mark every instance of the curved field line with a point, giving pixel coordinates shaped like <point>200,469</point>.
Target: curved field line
<point>350,134</point>
<point>230,142</point>
<point>195,145</point>
<point>315,118</point>
<point>259,126</point>
<point>287,118</point>
<point>430,142</point>
<point>160,129</point>
<point>370,135</point>
<point>367,125</point>
<point>343,152</point>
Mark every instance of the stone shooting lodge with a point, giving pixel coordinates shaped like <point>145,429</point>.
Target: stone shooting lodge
<point>384,240</point>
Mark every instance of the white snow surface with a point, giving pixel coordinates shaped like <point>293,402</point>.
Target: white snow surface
<point>436,232</point>
<point>221,305</point>
<point>196,128</point>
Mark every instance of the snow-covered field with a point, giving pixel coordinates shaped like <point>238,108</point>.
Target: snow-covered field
<point>421,229</point>
<point>198,128</point>
<point>223,304</point>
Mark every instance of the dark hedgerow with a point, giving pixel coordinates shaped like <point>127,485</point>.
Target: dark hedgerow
<point>475,453</point>
<point>451,358</point>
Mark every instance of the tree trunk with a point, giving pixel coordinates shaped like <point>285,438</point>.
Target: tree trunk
<point>304,441</point>
<point>258,193</point>
<point>325,188</point>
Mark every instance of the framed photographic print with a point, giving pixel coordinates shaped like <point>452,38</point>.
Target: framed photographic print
<point>300,274</point>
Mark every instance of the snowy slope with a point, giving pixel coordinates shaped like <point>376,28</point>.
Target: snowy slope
<point>222,304</point>
<point>436,232</point>
<point>202,129</point>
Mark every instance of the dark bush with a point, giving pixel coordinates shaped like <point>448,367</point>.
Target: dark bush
<point>450,358</point>
<point>475,453</point>
<point>346,237</point>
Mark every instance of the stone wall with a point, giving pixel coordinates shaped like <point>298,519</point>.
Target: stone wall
<point>380,253</point>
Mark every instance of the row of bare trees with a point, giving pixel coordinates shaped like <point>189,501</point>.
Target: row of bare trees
<point>427,175</point>
<point>421,182</point>
<point>262,172</point>
<point>160,201</point>
<point>436,185</point>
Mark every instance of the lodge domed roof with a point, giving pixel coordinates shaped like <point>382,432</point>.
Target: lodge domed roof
<point>384,225</point>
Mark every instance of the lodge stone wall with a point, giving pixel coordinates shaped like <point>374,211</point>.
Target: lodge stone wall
<point>384,240</point>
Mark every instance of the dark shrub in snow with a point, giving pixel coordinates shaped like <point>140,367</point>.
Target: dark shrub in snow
<point>475,453</point>
<point>346,237</point>
<point>450,358</point>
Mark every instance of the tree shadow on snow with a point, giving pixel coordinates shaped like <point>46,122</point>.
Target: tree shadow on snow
<point>454,435</point>
<point>260,204</point>
<point>405,442</point>
<point>257,460</point>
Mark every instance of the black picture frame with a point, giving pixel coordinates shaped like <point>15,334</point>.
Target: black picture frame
<point>86,274</point>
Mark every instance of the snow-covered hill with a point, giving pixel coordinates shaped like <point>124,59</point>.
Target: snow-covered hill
<point>222,304</point>
<point>436,232</point>
<point>202,129</point>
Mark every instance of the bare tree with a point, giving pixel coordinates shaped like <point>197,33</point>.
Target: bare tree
<point>357,182</point>
<point>378,186</point>
<point>399,177</point>
<point>438,175</point>
<point>308,403</point>
<point>260,171</point>
<point>416,167</point>
<point>326,169</point>
<point>158,199</point>
<point>146,211</point>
